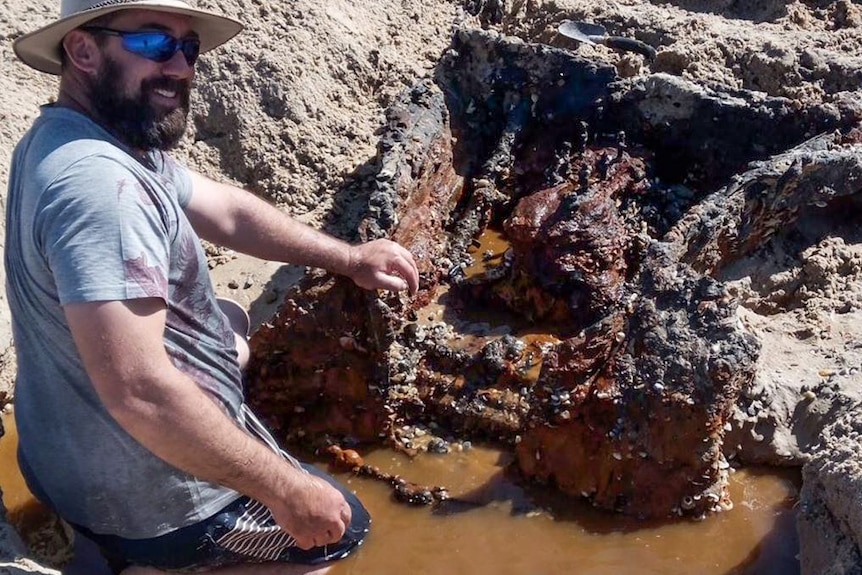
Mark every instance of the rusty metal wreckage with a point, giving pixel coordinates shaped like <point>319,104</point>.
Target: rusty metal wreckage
<point>620,201</point>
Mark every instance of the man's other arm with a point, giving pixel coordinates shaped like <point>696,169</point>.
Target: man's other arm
<point>120,343</point>
<point>234,218</point>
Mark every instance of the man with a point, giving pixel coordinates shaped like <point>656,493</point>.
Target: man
<point>129,399</point>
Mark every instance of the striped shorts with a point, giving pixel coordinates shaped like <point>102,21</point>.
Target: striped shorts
<point>242,532</point>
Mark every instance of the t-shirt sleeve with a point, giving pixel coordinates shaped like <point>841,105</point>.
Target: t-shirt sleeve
<point>177,178</point>
<point>104,234</point>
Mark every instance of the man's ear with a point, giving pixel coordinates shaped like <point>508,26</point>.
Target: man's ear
<point>82,52</point>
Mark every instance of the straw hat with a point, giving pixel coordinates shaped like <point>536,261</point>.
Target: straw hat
<point>41,49</point>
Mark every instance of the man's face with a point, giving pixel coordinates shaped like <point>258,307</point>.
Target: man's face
<point>145,103</point>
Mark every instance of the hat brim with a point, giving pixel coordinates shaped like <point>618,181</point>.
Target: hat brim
<point>41,49</point>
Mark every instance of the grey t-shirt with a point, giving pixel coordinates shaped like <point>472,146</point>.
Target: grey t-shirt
<point>86,221</point>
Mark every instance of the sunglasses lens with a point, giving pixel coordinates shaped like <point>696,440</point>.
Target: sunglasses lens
<point>161,47</point>
<point>191,48</point>
<point>156,46</point>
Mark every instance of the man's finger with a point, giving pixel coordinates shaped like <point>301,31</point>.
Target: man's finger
<point>391,282</point>
<point>305,543</point>
<point>343,524</point>
<point>346,515</point>
<point>405,267</point>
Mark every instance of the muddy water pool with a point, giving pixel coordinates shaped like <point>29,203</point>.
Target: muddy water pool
<point>519,532</point>
<point>495,527</point>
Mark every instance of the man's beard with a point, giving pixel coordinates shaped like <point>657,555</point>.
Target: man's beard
<point>133,119</point>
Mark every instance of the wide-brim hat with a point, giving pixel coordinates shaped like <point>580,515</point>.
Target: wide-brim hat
<point>41,49</point>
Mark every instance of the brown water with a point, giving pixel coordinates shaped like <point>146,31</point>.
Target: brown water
<point>488,251</point>
<point>519,533</point>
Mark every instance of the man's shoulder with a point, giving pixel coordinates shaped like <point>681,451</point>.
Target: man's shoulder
<point>71,128</point>
<point>62,146</point>
<point>60,131</point>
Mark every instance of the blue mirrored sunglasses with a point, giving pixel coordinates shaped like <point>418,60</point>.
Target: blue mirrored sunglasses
<point>153,45</point>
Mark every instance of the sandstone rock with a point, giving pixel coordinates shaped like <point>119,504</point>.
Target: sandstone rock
<point>830,519</point>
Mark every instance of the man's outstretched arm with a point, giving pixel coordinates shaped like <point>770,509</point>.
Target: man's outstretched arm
<point>234,218</point>
<point>120,343</point>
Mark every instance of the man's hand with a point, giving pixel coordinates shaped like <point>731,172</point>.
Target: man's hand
<point>312,511</point>
<point>382,264</point>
